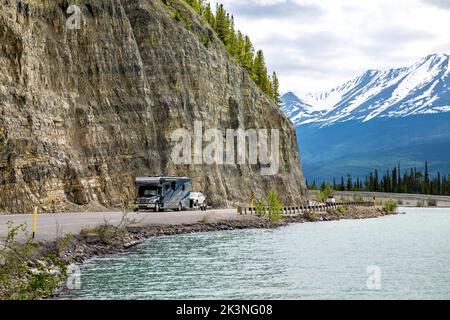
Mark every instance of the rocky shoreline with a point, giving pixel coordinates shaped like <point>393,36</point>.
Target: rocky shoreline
<point>89,245</point>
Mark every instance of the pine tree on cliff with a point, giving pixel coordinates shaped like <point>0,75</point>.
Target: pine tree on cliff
<point>222,26</point>
<point>239,48</point>
<point>231,39</point>
<point>249,52</point>
<point>209,16</point>
<point>196,4</point>
<point>259,73</point>
<point>275,85</point>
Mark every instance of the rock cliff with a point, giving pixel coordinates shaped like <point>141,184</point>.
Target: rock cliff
<point>84,111</point>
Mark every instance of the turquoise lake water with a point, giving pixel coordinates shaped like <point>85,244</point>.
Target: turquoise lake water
<point>326,260</point>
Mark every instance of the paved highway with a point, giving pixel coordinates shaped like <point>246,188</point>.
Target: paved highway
<point>49,226</point>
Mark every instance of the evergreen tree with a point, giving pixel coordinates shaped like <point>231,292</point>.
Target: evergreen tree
<point>209,16</point>
<point>375,186</point>
<point>349,183</point>
<point>439,184</point>
<point>275,85</point>
<point>426,180</point>
<point>412,181</point>
<point>240,48</point>
<point>260,72</point>
<point>249,52</point>
<point>238,45</point>
<point>230,42</point>
<point>394,180</point>
<point>222,26</point>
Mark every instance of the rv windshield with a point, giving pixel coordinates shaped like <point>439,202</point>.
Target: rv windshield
<point>145,192</point>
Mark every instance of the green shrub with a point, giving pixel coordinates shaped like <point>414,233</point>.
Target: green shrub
<point>272,208</point>
<point>22,275</point>
<point>325,192</point>
<point>389,206</point>
<point>260,209</point>
<point>111,234</point>
<point>339,211</point>
<point>420,204</point>
<point>181,17</point>
<point>311,217</point>
<point>432,202</point>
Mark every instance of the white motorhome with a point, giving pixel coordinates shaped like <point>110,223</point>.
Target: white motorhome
<point>162,193</point>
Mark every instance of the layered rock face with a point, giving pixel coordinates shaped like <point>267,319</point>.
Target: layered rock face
<point>84,111</point>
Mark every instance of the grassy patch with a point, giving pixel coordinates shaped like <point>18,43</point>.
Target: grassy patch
<point>205,220</point>
<point>339,211</point>
<point>432,202</point>
<point>312,217</point>
<point>389,206</point>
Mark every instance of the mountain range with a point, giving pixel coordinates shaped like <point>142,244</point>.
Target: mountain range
<point>376,120</point>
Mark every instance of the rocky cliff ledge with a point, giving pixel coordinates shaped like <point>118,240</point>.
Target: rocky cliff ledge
<point>84,111</point>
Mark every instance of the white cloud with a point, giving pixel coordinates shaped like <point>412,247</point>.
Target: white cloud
<point>315,45</point>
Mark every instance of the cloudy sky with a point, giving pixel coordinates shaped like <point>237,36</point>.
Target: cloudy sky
<point>315,45</point>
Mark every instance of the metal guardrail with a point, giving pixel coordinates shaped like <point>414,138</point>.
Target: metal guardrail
<point>383,195</point>
<point>302,209</point>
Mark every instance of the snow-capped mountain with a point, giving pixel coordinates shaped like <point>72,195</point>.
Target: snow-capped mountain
<point>423,88</point>
<point>375,121</point>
